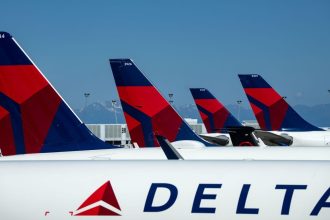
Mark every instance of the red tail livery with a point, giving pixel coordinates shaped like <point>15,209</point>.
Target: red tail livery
<point>215,116</point>
<point>271,110</point>
<point>146,111</point>
<point>33,117</point>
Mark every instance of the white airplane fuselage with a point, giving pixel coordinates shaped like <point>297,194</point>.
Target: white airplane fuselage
<point>202,153</point>
<point>300,138</point>
<point>162,190</point>
<point>307,138</point>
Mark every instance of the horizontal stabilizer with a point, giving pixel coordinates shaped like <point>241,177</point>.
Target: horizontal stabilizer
<point>271,139</point>
<point>220,140</point>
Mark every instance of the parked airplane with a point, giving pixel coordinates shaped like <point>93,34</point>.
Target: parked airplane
<point>215,116</point>
<point>217,119</point>
<point>162,190</point>
<point>146,111</point>
<point>53,189</point>
<point>35,120</point>
<point>276,115</point>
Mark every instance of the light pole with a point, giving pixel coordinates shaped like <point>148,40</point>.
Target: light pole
<point>170,95</point>
<point>114,102</point>
<point>86,94</point>
<point>239,102</point>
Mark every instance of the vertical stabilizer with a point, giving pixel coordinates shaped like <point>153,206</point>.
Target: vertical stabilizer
<point>33,116</point>
<point>146,111</point>
<point>215,116</point>
<point>271,110</point>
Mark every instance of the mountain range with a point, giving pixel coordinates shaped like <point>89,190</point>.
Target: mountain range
<point>105,113</point>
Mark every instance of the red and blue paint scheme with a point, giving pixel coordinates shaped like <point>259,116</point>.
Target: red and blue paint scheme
<point>146,111</point>
<point>271,110</point>
<point>215,116</point>
<point>105,194</point>
<point>33,117</point>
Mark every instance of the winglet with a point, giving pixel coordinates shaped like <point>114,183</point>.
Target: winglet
<point>145,109</point>
<point>215,115</point>
<point>170,152</point>
<point>33,116</point>
<point>271,109</point>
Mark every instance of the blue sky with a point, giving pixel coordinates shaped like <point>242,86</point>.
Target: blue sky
<point>178,44</point>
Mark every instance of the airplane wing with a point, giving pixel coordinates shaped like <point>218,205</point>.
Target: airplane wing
<point>221,140</point>
<point>272,139</point>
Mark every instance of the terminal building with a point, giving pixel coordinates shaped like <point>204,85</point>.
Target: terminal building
<point>118,134</point>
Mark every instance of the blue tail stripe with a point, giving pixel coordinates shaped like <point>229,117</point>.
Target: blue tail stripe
<point>10,54</point>
<point>201,93</point>
<point>264,109</point>
<point>127,74</point>
<point>145,121</point>
<point>186,133</point>
<point>209,115</point>
<point>253,81</point>
<point>16,121</point>
<point>231,121</point>
<point>67,133</point>
<point>291,122</point>
<point>294,122</point>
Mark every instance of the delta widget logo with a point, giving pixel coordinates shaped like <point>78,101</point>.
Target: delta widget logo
<point>102,202</point>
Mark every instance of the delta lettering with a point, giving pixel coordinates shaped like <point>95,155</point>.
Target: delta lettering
<point>200,195</point>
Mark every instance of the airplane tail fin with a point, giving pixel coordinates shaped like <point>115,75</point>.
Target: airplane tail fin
<point>146,111</point>
<point>271,109</point>
<point>215,116</point>
<point>33,117</point>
